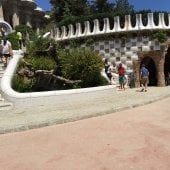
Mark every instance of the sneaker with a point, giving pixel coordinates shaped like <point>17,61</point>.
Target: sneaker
<point>142,90</point>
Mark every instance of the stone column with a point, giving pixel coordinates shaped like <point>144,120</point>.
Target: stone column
<point>136,69</point>
<point>160,70</point>
<point>1,11</point>
<point>15,17</point>
<point>37,25</point>
<point>28,18</point>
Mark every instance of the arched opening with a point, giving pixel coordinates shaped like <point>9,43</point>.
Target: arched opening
<point>150,65</point>
<point>6,26</point>
<point>167,67</point>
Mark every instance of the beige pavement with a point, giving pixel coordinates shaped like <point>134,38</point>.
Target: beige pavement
<point>69,108</point>
<point>135,139</point>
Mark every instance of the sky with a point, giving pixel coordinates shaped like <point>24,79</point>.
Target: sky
<point>44,4</point>
<point>161,5</point>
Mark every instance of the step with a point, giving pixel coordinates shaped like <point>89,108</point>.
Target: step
<point>1,73</point>
<point>4,105</point>
<point>1,68</point>
<point>1,99</point>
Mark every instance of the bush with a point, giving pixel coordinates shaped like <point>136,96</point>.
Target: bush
<point>82,65</point>
<point>41,63</point>
<point>161,36</point>
<point>22,85</point>
<point>39,44</point>
<point>14,41</point>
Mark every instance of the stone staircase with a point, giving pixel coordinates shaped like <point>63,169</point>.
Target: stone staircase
<point>4,105</point>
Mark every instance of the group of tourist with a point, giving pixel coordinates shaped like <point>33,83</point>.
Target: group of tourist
<point>121,71</point>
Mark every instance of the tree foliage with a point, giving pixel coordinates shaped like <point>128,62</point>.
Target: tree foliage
<point>101,6</point>
<point>122,7</point>
<point>62,9</point>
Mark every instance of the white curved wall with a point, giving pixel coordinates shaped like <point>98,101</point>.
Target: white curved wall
<point>38,98</point>
<point>63,33</point>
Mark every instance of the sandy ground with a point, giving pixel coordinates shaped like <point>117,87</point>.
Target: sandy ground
<point>133,139</point>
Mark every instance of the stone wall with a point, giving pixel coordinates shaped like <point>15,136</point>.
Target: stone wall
<point>131,52</point>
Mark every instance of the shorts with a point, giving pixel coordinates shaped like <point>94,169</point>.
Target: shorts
<point>122,79</point>
<point>7,55</point>
<point>144,80</point>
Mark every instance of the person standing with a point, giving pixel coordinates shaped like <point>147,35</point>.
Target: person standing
<point>6,50</point>
<point>108,70</point>
<point>144,77</point>
<point>2,32</point>
<point>19,36</point>
<point>122,79</point>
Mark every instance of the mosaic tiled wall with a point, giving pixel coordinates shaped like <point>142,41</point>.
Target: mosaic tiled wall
<point>125,51</point>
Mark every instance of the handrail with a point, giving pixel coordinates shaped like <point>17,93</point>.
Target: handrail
<point>12,95</point>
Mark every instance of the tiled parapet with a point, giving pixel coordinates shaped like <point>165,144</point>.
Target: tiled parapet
<point>68,32</point>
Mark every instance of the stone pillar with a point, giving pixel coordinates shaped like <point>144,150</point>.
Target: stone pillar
<point>28,18</point>
<point>136,69</point>
<point>1,11</point>
<point>160,70</point>
<point>37,26</point>
<point>15,17</point>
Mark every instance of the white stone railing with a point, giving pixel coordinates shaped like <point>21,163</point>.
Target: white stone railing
<point>70,33</point>
<point>37,98</point>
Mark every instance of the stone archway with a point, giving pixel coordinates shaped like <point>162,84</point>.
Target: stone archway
<point>150,65</point>
<point>7,27</point>
<point>167,63</point>
<point>156,57</point>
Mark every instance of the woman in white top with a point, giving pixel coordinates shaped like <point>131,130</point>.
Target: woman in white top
<point>6,50</point>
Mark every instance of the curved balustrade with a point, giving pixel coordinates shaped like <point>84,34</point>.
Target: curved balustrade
<point>70,33</point>
<point>38,98</point>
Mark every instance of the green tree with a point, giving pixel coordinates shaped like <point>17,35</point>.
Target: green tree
<point>101,6</point>
<point>68,8</point>
<point>58,9</point>
<point>122,7</point>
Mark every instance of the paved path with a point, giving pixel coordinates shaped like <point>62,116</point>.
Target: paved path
<point>69,109</point>
<point>134,139</point>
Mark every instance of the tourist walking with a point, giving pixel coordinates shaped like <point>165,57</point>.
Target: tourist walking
<point>122,78</point>
<point>144,78</point>
<point>167,78</point>
<point>2,32</point>
<point>6,51</point>
<point>108,70</point>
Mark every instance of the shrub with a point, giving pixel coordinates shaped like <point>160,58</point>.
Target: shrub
<point>39,44</point>
<point>82,65</point>
<point>161,36</point>
<point>22,85</point>
<point>41,63</point>
<point>14,41</point>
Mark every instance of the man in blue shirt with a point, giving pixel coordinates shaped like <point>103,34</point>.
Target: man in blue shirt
<point>144,77</point>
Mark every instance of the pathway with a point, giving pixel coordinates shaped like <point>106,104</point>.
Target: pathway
<point>68,109</point>
<point>134,139</point>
